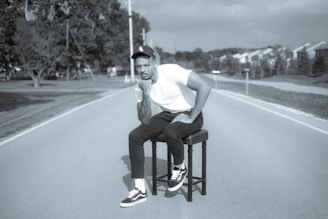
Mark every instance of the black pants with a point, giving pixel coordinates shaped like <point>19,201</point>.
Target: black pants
<point>160,123</point>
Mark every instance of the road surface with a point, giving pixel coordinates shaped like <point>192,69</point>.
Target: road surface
<point>264,161</point>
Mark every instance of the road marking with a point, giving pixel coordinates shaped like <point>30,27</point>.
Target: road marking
<point>59,117</point>
<point>273,112</point>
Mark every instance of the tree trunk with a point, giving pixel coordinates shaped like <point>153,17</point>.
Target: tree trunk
<point>36,81</point>
<point>35,77</point>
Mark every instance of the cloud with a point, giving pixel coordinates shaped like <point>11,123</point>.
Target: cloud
<point>212,24</point>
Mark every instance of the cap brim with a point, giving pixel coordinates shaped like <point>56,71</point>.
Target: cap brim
<point>137,54</point>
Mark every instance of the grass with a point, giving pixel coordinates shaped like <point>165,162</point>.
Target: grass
<point>11,101</point>
<point>22,105</point>
<point>310,103</point>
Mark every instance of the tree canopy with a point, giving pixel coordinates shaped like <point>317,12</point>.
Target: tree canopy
<point>38,34</point>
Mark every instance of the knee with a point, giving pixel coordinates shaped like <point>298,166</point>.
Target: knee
<point>135,137</point>
<point>169,133</point>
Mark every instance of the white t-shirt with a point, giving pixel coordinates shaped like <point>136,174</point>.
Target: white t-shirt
<point>170,92</point>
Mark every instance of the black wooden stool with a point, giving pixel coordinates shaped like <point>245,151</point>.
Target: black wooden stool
<point>198,137</point>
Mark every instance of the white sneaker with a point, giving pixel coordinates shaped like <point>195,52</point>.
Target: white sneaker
<point>135,196</point>
<point>177,178</point>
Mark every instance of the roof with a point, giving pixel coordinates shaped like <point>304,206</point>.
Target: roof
<point>316,45</point>
<point>323,47</point>
<point>310,46</point>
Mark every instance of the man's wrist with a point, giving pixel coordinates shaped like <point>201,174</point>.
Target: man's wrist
<point>146,96</point>
<point>193,114</point>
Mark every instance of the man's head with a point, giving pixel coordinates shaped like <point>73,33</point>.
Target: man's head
<point>145,63</point>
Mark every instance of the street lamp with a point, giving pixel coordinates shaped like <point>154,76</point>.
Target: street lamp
<point>131,40</point>
<point>66,9</point>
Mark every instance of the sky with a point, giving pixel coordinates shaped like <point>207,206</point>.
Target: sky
<point>185,25</point>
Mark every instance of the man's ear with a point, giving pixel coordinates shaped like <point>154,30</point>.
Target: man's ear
<point>153,61</point>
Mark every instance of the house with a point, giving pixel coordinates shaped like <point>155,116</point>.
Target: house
<point>296,50</point>
<point>266,52</point>
<point>251,56</point>
<point>242,58</point>
<point>254,56</point>
<point>222,58</point>
<point>310,48</point>
<point>323,51</point>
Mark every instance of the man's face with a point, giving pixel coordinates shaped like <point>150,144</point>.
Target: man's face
<point>144,67</point>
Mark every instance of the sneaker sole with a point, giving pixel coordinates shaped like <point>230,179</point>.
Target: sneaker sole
<point>127,205</point>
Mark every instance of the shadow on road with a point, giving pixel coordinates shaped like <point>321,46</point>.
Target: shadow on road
<point>161,170</point>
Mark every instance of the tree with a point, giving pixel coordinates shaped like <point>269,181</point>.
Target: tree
<point>9,14</point>
<point>304,62</point>
<point>319,65</point>
<point>279,65</point>
<point>29,44</point>
<point>185,59</point>
<point>230,64</point>
<point>215,64</point>
<point>266,68</point>
<point>201,60</point>
<point>65,33</point>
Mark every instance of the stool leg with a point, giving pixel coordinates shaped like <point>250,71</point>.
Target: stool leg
<point>154,165</point>
<point>169,163</point>
<point>204,168</point>
<point>189,173</point>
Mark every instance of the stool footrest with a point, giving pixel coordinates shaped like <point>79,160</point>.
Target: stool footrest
<point>196,180</point>
<point>160,178</point>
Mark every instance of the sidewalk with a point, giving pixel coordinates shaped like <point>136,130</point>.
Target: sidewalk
<point>279,85</point>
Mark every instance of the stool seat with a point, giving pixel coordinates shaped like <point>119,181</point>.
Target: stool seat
<point>200,136</point>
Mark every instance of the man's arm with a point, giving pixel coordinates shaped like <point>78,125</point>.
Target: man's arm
<point>144,107</point>
<point>203,89</point>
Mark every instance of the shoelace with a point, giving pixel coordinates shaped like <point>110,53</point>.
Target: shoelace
<point>175,174</point>
<point>133,192</point>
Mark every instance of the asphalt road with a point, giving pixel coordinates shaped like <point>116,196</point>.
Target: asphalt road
<point>264,161</point>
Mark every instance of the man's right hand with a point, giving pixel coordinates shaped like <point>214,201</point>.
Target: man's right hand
<point>144,107</point>
<point>145,86</point>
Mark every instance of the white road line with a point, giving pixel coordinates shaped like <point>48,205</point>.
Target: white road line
<point>58,117</point>
<point>273,112</point>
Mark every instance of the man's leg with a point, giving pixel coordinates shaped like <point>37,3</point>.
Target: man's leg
<point>137,138</point>
<point>140,135</point>
<point>174,134</point>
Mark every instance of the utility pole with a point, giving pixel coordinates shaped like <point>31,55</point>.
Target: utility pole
<point>65,7</point>
<point>131,41</point>
<point>143,36</point>
<point>246,81</point>
<point>67,47</point>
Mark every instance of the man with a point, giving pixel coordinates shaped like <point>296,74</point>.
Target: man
<point>181,95</point>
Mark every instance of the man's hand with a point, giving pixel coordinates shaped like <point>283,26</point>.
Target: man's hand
<point>145,86</point>
<point>144,107</point>
<point>184,118</point>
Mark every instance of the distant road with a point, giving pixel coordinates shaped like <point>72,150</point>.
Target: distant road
<point>264,161</point>
<point>279,85</point>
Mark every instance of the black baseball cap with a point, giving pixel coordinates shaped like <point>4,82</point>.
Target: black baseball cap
<point>144,51</point>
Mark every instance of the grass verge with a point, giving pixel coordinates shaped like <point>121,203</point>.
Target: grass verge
<point>309,103</point>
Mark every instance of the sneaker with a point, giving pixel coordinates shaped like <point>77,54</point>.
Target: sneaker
<point>177,178</point>
<point>135,196</point>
